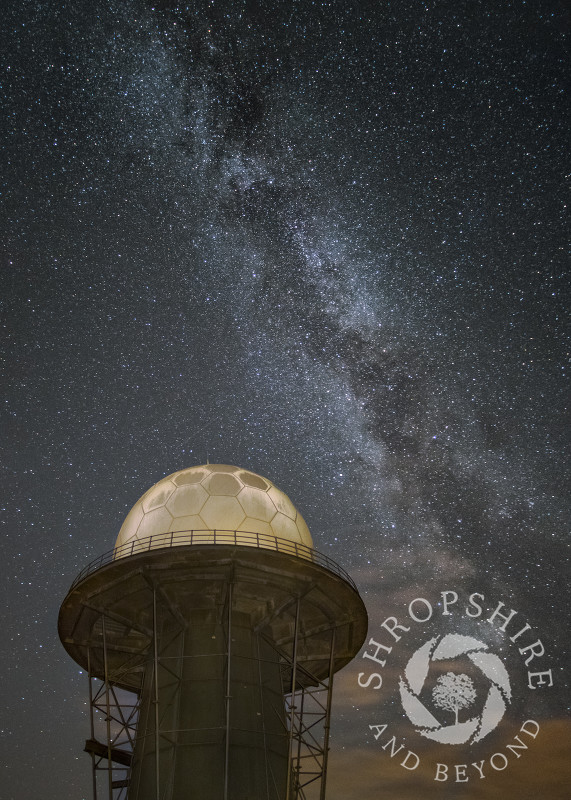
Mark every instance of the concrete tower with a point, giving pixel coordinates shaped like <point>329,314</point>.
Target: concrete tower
<point>224,623</point>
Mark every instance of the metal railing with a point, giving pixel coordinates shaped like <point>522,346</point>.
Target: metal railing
<point>161,541</point>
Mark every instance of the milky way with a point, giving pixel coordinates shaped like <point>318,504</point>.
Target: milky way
<point>321,242</point>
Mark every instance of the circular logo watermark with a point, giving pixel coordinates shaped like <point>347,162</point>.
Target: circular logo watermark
<point>454,691</point>
<point>453,676</point>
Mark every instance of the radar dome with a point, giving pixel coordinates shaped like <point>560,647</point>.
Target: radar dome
<point>214,497</point>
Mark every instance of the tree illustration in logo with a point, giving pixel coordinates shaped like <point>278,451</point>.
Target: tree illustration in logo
<point>453,692</point>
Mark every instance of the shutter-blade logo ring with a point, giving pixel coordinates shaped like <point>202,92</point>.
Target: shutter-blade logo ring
<point>454,690</point>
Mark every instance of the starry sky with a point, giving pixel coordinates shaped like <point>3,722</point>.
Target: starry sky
<point>325,241</point>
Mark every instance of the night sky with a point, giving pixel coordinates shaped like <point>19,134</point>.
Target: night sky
<point>325,241</point>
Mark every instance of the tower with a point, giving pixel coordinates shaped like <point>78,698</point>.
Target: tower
<point>224,626</point>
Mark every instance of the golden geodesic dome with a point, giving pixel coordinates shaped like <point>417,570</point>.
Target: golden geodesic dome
<point>214,497</point>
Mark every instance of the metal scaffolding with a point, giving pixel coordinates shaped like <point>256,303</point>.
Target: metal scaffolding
<point>114,713</point>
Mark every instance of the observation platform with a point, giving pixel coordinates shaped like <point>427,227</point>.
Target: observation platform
<point>300,600</point>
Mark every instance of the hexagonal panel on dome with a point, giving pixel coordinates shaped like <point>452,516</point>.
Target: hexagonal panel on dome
<point>282,502</point>
<point>223,513</point>
<point>257,504</point>
<point>285,528</point>
<point>156,521</point>
<point>221,484</point>
<point>303,529</point>
<point>256,526</point>
<point>189,523</point>
<point>130,525</point>
<point>158,495</point>
<point>221,468</point>
<point>192,475</point>
<point>251,479</point>
<point>187,500</point>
